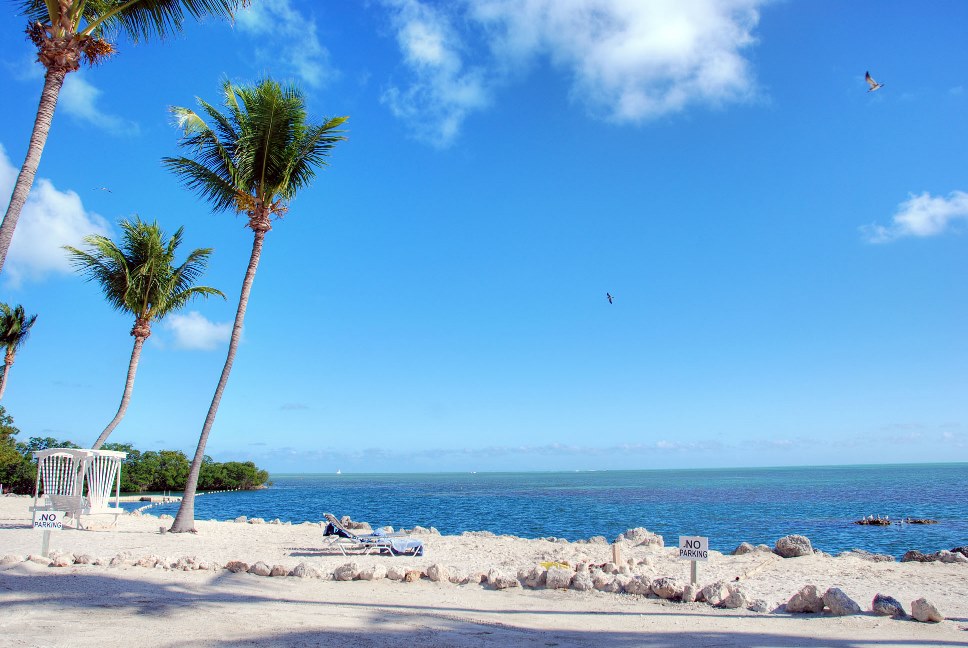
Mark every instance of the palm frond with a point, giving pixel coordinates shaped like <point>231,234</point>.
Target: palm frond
<point>137,20</point>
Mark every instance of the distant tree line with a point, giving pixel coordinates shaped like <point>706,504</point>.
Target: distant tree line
<point>140,472</point>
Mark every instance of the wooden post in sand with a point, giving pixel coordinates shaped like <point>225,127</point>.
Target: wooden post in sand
<point>617,554</point>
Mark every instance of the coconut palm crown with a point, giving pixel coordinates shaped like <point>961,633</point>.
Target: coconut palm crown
<point>66,32</point>
<point>140,277</point>
<point>15,327</point>
<point>257,155</point>
<point>252,158</point>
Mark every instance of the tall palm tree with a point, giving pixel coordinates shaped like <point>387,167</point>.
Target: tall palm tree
<point>67,31</point>
<point>14,329</point>
<point>139,277</point>
<point>253,159</point>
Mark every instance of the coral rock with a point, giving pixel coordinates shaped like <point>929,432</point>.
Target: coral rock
<point>806,600</point>
<point>438,573</point>
<point>743,548</point>
<point>839,603</point>
<point>883,605</point>
<point>346,572</point>
<point>501,581</point>
<point>278,570</point>
<point>668,588</point>
<point>412,575</point>
<point>582,582</point>
<point>792,546</point>
<point>715,593</point>
<point>373,573</point>
<point>237,566</point>
<point>924,611</point>
<point>558,578</point>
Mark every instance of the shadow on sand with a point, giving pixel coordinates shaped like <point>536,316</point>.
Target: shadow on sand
<point>77,601</point>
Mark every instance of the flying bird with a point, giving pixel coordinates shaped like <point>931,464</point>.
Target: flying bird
<point>104,189</point>
<point>609,296</point>
<point>874,85</point>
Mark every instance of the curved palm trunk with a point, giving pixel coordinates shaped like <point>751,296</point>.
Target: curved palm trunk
<point>7,363</point>
<point>53,81</point>
<point>185,519</point>
<point>126,397</point>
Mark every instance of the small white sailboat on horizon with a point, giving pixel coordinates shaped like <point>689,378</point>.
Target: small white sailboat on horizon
<point>339,472</point>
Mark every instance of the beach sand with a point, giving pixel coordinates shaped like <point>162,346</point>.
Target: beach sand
<point>126,604</point>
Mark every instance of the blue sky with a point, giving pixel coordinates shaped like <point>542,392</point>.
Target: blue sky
<point>785,249</point>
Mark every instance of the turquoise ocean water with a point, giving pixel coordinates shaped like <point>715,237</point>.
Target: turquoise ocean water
<point>728,506</point>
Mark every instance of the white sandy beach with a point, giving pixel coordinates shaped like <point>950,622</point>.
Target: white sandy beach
<point>103,605</point>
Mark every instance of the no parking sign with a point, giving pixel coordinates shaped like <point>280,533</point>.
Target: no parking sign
<point>49,520</point>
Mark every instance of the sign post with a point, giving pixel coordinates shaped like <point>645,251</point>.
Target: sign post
<point>48,521</point>
<point>694,549</point>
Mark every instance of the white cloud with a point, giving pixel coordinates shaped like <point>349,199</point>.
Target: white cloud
<point>629,60</point>
<point>50,220</point>
<point>194,331</point>
<point>80,99</point>
<point>442,90</point>
<point>921,215</point>
<point>294,42</point>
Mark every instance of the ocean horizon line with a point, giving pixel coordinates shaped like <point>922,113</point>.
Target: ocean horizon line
<point>343,473</point>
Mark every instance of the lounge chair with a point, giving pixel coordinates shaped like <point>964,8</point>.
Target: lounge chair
<point>393,544</point>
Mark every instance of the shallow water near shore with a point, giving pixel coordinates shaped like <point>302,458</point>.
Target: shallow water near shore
<point>728,506</point>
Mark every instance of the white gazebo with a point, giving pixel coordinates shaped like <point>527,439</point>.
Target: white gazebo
<point>78,482</point>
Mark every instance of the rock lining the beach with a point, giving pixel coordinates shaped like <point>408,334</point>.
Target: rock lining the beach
<point>839,604</point>
<point>883,605</point>
<point>867,555</point>
<point>260,569</point>
<point>668,588</point>
<point>793,546</point>
<point>939,556</point>
<point>806,601</point>
<point>924,611</point>
<point>640,536</point>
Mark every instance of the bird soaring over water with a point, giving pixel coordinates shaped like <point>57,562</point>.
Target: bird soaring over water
<point>874,85</point>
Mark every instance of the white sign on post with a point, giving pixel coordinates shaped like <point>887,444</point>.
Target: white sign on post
<point>694,548</point>
<point>49,520</point>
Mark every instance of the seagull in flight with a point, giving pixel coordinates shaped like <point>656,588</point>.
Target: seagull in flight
<point>609,297</point>
<point>874,85</point>
<point>104,189</point>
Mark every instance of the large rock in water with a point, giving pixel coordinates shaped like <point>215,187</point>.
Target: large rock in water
<point>806,600</point>
<point>792,546</point>
<point>887,606</point>
<point>839,603</point>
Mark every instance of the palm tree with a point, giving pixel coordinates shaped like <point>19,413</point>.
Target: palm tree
<point>66,31</point>
<point>14,329</point>
<point>139,277</point>
<point>253,159</point>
